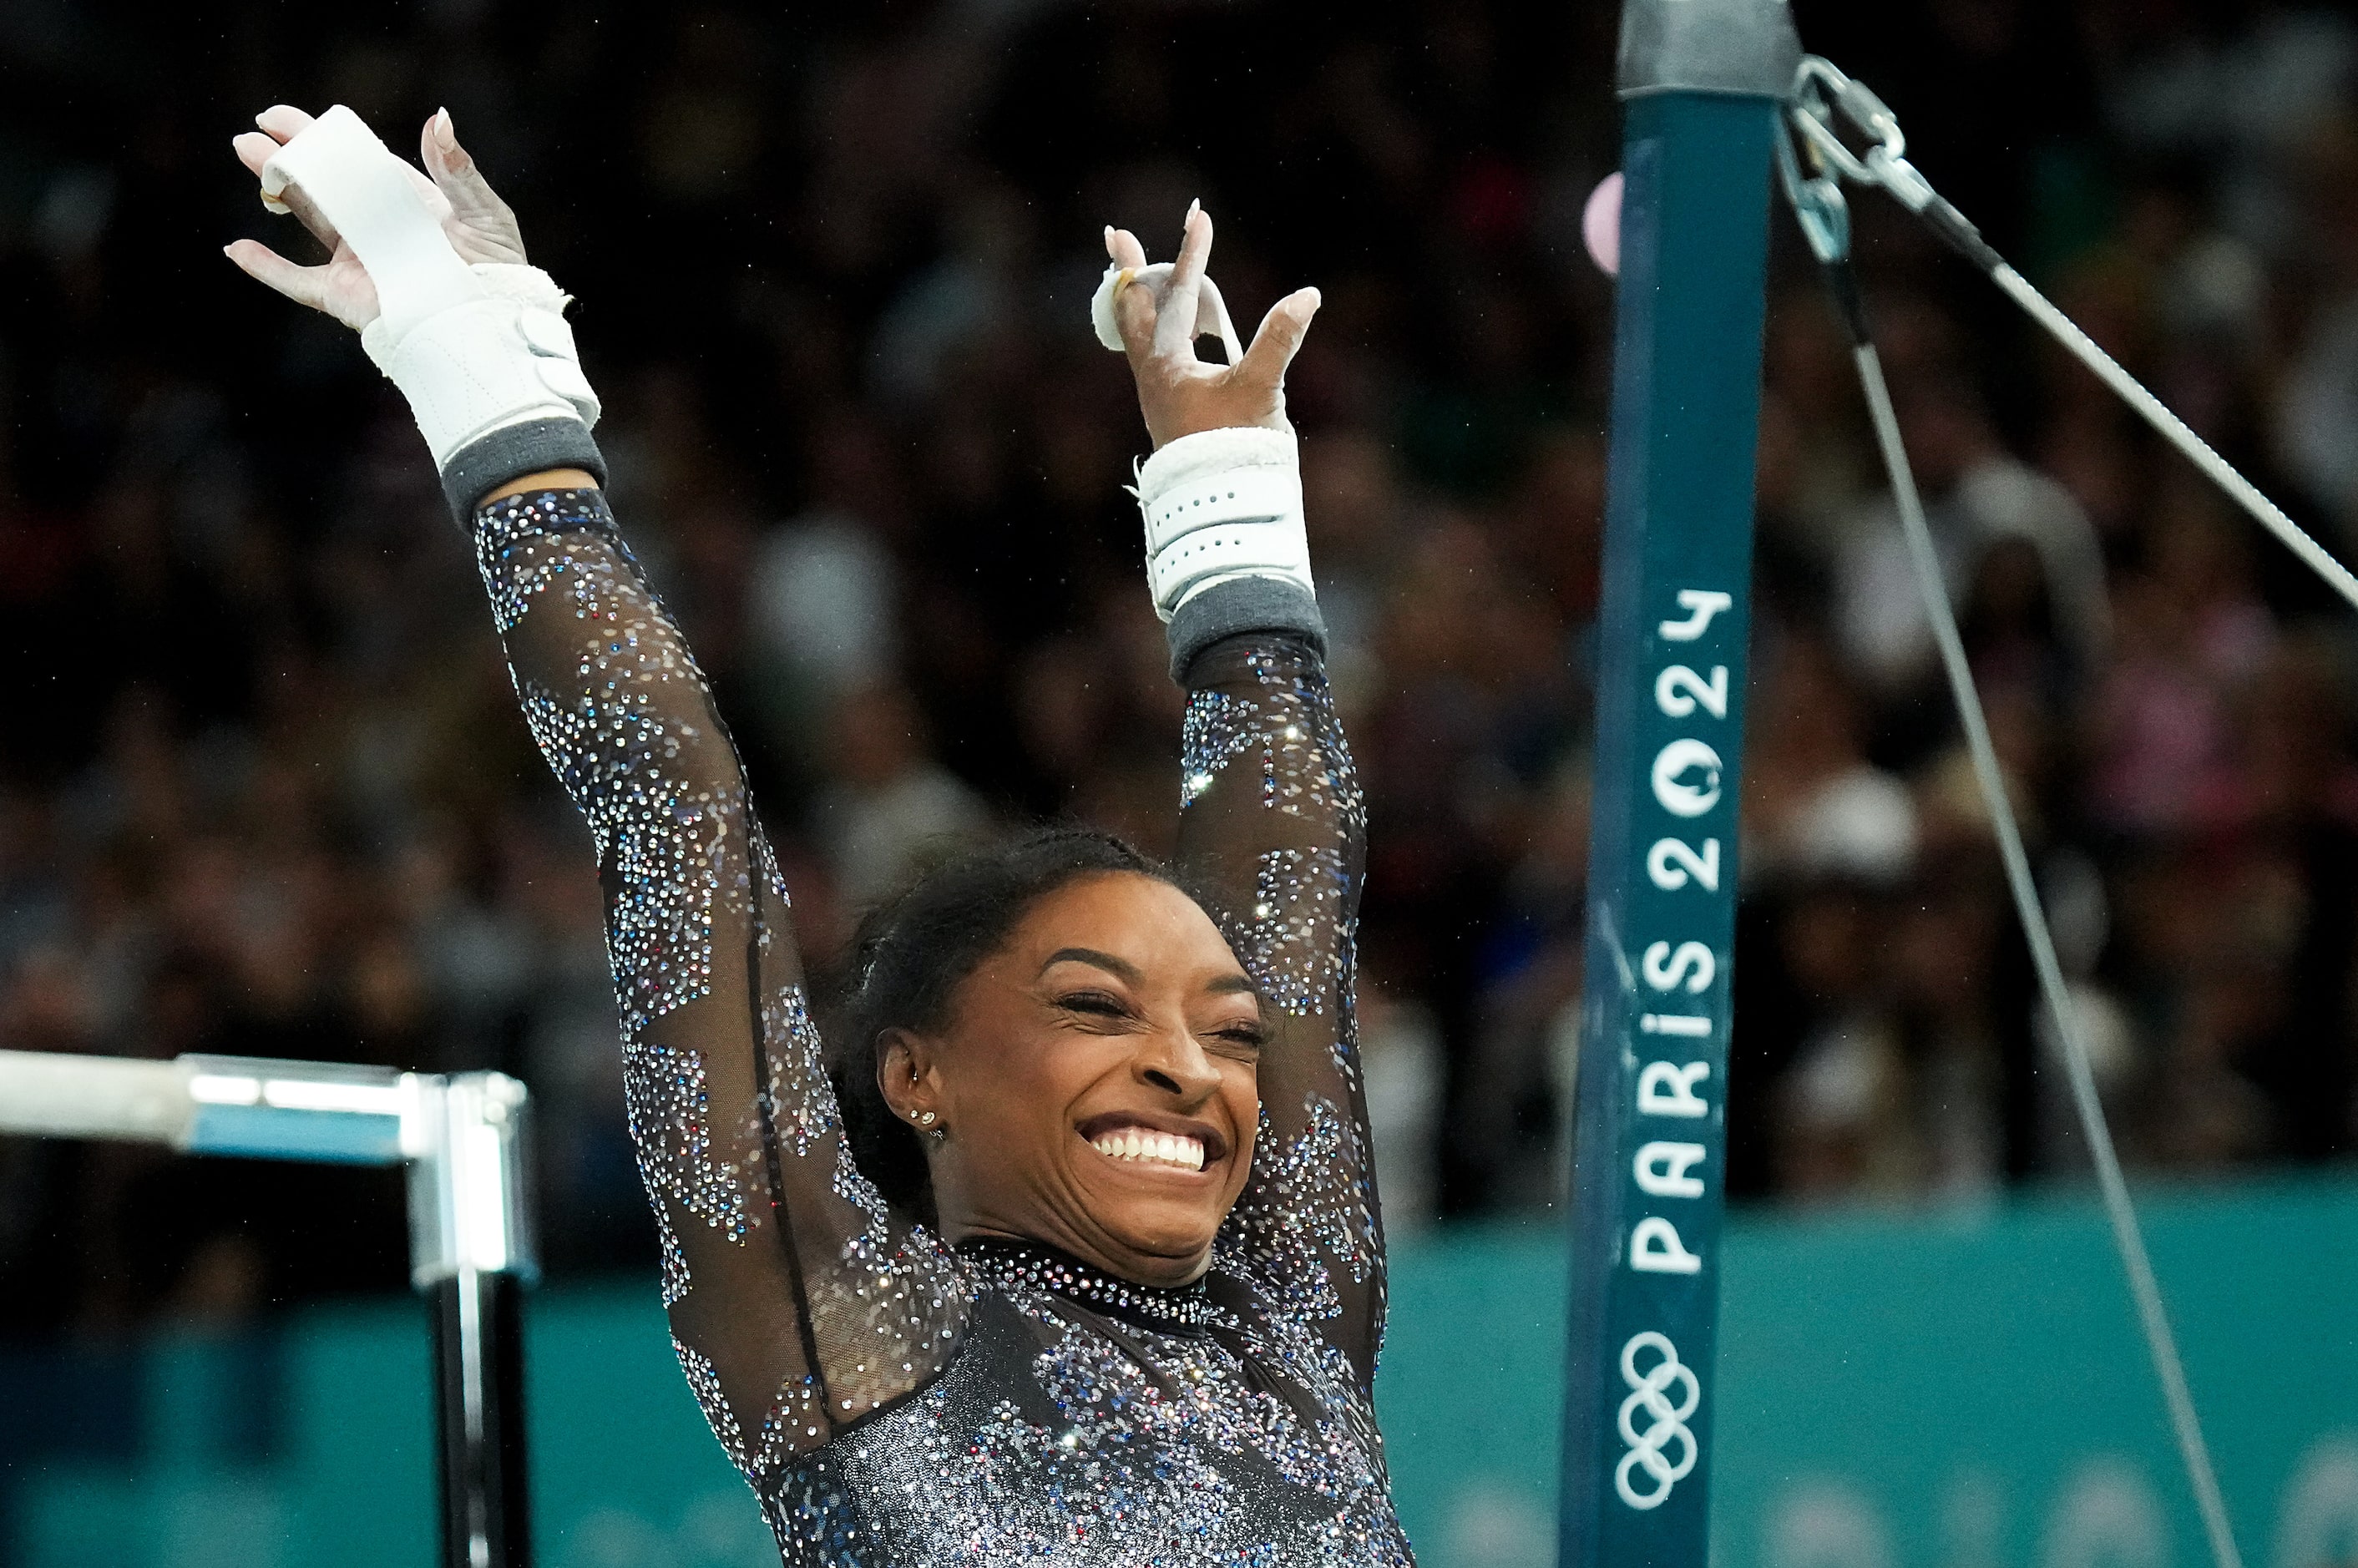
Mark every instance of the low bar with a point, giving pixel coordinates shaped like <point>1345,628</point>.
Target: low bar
<point>471,1237</point>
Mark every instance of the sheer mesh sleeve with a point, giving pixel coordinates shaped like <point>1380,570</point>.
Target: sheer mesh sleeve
<point>798,1302</point>
<point>1272,828</point>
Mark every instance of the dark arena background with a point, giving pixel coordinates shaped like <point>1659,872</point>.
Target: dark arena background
<point>263,789</point>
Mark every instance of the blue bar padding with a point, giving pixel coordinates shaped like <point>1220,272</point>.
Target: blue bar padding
<point>319,1137</point>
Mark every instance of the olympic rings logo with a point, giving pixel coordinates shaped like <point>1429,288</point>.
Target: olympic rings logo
<point>1666,1423</point>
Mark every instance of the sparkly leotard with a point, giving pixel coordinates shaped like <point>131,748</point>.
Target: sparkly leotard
<point>892,1400</point>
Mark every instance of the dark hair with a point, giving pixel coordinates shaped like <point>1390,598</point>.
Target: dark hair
<point>909,957</point>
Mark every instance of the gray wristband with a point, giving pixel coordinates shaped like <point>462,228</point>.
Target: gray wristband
<point>484,464</point>
<point>1238,606</point>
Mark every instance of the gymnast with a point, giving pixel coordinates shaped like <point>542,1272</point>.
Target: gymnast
<point>1077,1258</point>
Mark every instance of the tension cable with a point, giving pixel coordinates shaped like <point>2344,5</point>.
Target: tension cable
<point>1820,91</point>
<point>1823,91</point>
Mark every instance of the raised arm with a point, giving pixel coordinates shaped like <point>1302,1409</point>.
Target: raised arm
<point>1272,828</point>
<point>1271,825</point>
<point>799,1303</point>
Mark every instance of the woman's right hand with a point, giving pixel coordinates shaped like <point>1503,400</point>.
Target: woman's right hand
<point>480,226</point>
<point>1179,393</point>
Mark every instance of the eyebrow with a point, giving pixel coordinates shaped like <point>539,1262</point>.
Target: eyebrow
<point>1123,969</point>
<point>1120,969</point>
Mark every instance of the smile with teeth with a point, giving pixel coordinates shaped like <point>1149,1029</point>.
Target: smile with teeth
<point>1151,1148</point>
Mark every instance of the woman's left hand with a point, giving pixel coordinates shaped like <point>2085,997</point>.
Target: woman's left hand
<point>480,226</point>
<point>1179,393</point>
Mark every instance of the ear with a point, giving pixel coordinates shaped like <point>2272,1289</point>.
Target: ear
<point>908,1072</point>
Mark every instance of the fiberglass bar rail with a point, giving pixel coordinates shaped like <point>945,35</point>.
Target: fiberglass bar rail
<point>1703,83</point>
<point>470,1240</point>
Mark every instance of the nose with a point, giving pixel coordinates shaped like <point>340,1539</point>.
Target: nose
<point>1173,1061</point>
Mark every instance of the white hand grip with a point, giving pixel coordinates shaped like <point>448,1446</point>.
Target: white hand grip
<point>476,349</point>
<point>373,199</point>
<point>1211,310</point>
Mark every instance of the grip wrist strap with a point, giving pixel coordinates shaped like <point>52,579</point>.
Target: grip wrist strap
<point>1222,504</point>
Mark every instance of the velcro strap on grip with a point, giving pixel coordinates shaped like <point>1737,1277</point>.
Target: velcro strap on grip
<point>1215,555</point>
<point>502,360</point>
<point>1251,493</point>
<point>471,370</point>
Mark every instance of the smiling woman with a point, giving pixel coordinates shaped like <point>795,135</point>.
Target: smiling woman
<point>1082,1267</point>
<point>1060,1003</point>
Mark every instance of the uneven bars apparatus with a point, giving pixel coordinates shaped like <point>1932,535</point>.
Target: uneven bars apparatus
<point>471,1237</point>
<point>1704,83</point>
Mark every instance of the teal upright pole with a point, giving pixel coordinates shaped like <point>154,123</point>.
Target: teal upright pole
<point>1703,80</point>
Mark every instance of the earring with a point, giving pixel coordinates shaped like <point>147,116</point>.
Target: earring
<point>926,1120</point>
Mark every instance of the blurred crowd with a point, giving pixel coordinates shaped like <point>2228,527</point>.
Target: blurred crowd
<point>263,789</point>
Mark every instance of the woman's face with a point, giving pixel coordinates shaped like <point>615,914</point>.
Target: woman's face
<point>1095,1081</point>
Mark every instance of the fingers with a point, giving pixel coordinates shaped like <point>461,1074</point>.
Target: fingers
<point>284,122</point>
<point>428,192</point>
<point>253,150</point>
<point>306,212</point>
<point>454,172</point>
<point>1134,316</point>
<point>1175,323</point>
<point>303,285</point>
<point>280,125</point>
<point>1134,307</point>
<point>1282,332</point>
<point>465,193</point>
<point>1122,246</point>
